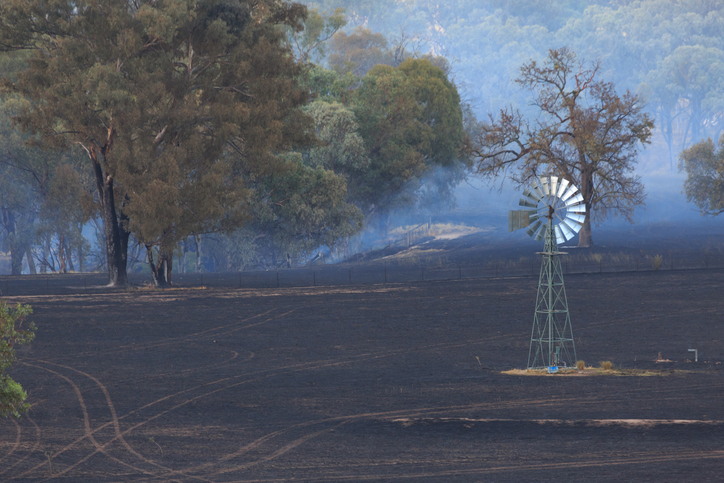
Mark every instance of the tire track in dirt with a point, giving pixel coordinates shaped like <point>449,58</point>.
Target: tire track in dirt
<point>328,363</point>
<point>387,415</point>
<point>281,370</point>
<point>33,450</point>
<point>88,432</point>
<point>287,369</point>
<point>114,421</point>
<point>483,470</point>
<point>14,446</point>
<point>197,335</point>
<point>260,375</point>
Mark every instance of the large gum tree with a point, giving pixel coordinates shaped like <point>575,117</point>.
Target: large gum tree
<point>175,102</point>
<point>583,131</point>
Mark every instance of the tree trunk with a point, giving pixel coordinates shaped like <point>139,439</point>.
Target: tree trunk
<point>69,256</point>
<point>160,271</point>
<point>115,233</point>
<point>46,256</point>
<point>31,262</point>
<point>182,268</point>
<point>16,251</point>
<point>199,265</point>
<point>585,238</point>
<point>61,255</point>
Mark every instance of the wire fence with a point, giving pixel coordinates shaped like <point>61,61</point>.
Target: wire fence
<point>394,273</point>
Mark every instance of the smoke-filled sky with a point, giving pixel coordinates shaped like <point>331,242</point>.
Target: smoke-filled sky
<point>669,52</point>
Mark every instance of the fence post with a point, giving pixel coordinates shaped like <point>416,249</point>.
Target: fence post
<point>277,278</point>
<point>314,279</point>
<point>385,274</point>
<point>239,279</point>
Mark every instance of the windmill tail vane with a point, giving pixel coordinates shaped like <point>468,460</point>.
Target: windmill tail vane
<point>555,213</point>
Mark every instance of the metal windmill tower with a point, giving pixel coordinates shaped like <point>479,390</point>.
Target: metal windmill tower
<point>556,213</point>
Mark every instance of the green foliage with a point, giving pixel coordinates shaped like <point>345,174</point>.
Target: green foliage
<point>411,120</point>
<point>12,336</point>
<point>295,211</point>
<point>636,41</point>
<point>177,104</point>
<point>704,167</point>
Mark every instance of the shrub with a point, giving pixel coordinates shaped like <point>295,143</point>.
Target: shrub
<point>606,365</point>
<point>580,365</point>
<point>12,396</point>
<point>656,262</point>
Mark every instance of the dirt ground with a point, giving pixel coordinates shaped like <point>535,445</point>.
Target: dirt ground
<point>397,382</point>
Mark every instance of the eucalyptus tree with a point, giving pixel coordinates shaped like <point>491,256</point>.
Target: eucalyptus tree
<point>411,120</point>
<point>175,104</point>
<point>584,132</point>
<point>704,166</point>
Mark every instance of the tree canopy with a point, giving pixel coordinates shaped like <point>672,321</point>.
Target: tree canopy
<point>704,167</point>
<point>175,104</point>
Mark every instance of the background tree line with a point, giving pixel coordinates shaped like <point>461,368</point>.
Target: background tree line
<point>671,52</point>
<point>198,128</point>
<point>249,134</point>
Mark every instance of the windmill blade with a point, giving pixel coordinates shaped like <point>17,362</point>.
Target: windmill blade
<point>564,185</point>
<point>531,196</point>
<point>554,185</point>
<point>580,209</point>
<point>526,203</point>
<point>545,186</point>
<point>532,230</point>
<point>542,232</point>
<point>571,191</point>
<point>535,216</point>
<point>576,227</point>
<point>559,235</point>
<point>575,200</point>
<point>537,190</point>
<point>567,231</point>
<point>575,217</point>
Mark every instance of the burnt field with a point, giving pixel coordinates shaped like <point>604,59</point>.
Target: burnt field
<point>374,382</point>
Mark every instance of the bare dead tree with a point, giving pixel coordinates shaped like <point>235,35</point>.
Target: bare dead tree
<point>584,132</point>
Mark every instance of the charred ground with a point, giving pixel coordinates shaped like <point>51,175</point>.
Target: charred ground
<point>370,383</point>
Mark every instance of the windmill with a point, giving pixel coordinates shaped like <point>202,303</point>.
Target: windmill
<point>555,213</point>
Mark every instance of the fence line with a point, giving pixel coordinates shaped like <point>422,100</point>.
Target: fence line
<point>335,275</point>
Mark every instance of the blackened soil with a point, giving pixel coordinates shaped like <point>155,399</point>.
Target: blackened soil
<point>371,383</point>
